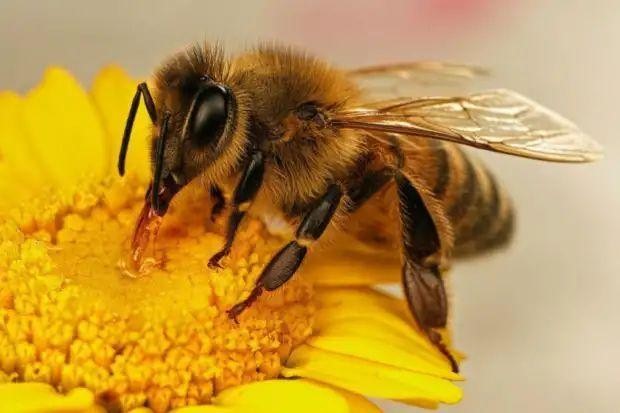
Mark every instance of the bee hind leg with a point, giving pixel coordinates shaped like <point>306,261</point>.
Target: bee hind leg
<point>422,283</point>
<point>426,297</point>
<point>286,261</point>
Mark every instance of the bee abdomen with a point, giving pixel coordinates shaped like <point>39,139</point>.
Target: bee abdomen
<point>480,211</point>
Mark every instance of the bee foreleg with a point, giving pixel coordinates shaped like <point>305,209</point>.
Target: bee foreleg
<point>219,201</point>
<point>246,190</point>
<point>286,262</point>
<point>422,282</point>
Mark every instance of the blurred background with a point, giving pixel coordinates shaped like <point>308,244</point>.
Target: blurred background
<point>540,322</point>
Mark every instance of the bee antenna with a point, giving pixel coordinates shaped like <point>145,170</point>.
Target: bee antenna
<point>141,90</point>
<point>159,161</point>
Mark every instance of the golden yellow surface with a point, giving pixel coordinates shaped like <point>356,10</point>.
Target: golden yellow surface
<point>162,338</point>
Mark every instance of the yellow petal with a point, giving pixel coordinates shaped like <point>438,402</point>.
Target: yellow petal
<point>373,326</point>
<point>42,398</point>
<point>279,396</point>
<point>66,135</point>
<point>413,358</point>
<point>19,175</point>
<point>10,188</point>
<point>348,262</point>
<point>347,303</point>
<point>112,92</point>
<point>369,378</point>
<point>357,403</point>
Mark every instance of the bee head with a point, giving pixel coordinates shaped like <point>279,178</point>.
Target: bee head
<point>195,115</point>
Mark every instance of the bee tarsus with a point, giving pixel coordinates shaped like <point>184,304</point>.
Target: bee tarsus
<point>236,310</point>
<point>436,339</point>
<point>214,261</point>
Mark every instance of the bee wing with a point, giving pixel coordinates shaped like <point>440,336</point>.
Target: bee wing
<point>497,120</point>
<point>415,79</point>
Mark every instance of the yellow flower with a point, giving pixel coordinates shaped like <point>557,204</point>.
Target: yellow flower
<point>79,335</point>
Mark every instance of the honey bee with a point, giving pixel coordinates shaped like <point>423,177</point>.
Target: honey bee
<point>349,149</point>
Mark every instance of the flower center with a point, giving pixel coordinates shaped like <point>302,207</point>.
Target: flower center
<point>71,316</point>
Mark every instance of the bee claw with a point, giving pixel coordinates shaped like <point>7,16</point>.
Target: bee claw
<point>214,261</point>
<point>233,313</point>
<point>240,307</point>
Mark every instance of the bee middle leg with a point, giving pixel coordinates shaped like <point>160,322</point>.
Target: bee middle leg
<point>248,186</point>
<point>286,262</point>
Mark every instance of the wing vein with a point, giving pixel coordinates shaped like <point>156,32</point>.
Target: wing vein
<point>497,120</point>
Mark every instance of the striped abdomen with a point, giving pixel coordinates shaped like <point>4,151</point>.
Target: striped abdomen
<point>479,210</point>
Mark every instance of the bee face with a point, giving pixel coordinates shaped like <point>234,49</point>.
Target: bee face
<point>198,108</point>
<point>201,119</point>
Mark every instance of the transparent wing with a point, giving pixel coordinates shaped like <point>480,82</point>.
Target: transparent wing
<point>415,79</point>
<point>497,120</point>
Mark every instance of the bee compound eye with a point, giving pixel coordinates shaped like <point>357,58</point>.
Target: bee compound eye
<point>209,116</point>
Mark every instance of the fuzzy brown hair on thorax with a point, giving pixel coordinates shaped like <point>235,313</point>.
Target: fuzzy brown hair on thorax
<point>304,156</point>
